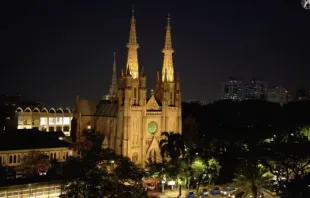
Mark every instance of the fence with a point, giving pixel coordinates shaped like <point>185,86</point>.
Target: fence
<point>36,190</point>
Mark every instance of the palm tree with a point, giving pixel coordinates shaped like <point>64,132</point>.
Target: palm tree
<point>172,146</point>
<point>252,180</point>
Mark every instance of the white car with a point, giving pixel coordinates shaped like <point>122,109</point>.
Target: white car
<point>228,191</point>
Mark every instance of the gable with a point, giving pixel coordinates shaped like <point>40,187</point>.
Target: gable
<point>154,145</point>
<point>152,104</point>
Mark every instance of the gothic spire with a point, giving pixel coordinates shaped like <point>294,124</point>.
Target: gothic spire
<point>132,45</point>
<point>168,51</point>
<point>113,87</point>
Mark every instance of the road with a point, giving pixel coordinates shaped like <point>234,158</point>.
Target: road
<point>175,193</point>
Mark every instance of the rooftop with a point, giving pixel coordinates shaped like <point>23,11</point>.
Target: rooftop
<point>31,139</point>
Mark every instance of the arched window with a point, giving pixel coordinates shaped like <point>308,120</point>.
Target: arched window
<point>14,161</point>
<point>19,109</point>
<point>135,157</point>
<point>27,109</point>
<point>152,156</point>
<point>11,159</point>
<point>55,157</point>
<point>36,110</point>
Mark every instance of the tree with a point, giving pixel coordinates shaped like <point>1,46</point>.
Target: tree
<point>172,146</point>
<point>32,159</point>
<point>199,169</point>
<point>252,180</point>
<point>205,170</point>
<point>99,172</point>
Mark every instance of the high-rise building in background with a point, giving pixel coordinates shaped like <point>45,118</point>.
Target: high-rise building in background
<point>278,95</point>
<point>302,94</point>
<point>233,90</point>
<point>255,90</point>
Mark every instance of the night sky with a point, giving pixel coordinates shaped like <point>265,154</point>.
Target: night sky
<point>55,50</point>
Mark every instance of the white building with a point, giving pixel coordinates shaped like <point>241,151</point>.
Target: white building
<point>44,119</point>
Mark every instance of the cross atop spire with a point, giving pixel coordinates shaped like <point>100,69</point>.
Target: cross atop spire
<point>168,20</point>
<point>133,11</point>
<point>132,45</point>
<point>168,51</point>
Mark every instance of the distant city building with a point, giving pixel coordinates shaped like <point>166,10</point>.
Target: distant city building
<point>301,94</point>
<point>16,144</point>
<point>201,102</point>
<point>44,119</point>
<point>256,90</point>
<point>9,103</point>
<point>232,90</point>
<point>278,95</point>
<point>238,91</point>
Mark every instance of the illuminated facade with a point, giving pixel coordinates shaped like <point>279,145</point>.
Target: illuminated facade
<point>16,144</point>
<point>133,122</point>
<point>44,119</point>
<point>232,90</point>
<point>15,157</point>
<point>278,95</point>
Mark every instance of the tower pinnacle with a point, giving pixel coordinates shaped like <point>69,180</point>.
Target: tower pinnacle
<point>168,51</point>
<point>113,87</point>
<point>132,45</point>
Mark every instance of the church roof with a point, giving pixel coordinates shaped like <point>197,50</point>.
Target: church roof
<point>107,108</point>
<point>86,107</point>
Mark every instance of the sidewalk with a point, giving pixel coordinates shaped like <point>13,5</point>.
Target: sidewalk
<point>175,193</point>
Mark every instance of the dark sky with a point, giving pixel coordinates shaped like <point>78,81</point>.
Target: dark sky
<point>55,50</point>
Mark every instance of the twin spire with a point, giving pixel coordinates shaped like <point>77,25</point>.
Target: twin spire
<point>168,70</point>
<point>132,66</point>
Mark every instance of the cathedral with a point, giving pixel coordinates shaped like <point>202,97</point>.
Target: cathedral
<point>131,119</point>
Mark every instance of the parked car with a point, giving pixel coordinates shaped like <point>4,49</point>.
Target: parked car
<point>228,191</point>
<point>190,195</point>
<point>204,193</point>
<point>215,191</point>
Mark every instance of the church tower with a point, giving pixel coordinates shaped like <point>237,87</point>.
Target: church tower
<point>142,119</point>
<point>133,122</point>
<point>168,88</point>
<point>131,102</point>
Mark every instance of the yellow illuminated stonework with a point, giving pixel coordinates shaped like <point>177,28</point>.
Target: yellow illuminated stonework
<point>132,124</point>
